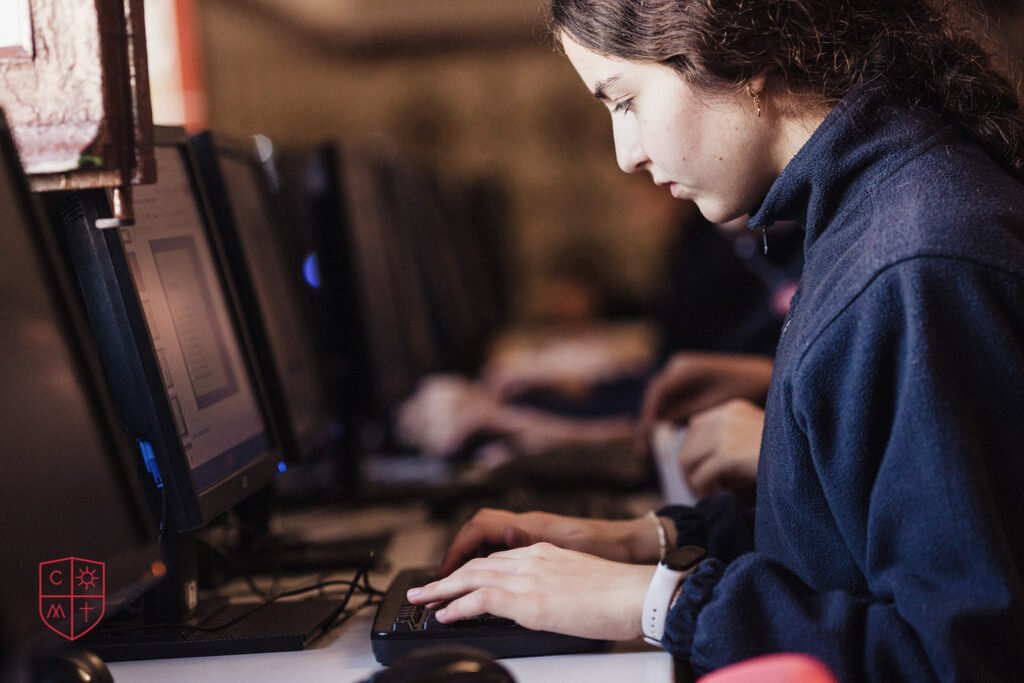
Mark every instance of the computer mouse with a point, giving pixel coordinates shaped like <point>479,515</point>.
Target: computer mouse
<point>75,666</point>
<point>444,664</point>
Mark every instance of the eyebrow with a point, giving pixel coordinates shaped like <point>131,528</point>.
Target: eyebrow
<point>601,86</point>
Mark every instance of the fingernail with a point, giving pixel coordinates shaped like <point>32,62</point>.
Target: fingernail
<point>413,592</point>
<point>441,613</point>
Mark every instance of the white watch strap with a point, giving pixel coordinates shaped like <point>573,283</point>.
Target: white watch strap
<point>657,602</point>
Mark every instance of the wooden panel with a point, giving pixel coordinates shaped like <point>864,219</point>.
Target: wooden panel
<point>76,91</point>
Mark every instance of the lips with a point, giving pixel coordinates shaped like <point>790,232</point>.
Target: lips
<point>675,189</point>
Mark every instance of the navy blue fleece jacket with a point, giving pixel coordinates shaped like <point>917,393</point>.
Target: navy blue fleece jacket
<point>889,528</point>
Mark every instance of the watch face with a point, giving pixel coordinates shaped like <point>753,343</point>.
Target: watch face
<point>684,558</point>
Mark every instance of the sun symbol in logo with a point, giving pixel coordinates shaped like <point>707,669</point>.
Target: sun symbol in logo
<point>87,578</point>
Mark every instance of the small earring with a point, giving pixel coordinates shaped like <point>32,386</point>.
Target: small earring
<point>757,99</point>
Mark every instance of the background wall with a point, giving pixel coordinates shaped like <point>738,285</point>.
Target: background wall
<point>469,87</point>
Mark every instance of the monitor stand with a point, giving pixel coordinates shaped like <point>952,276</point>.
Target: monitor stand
<point>278,627</point>
<point>259,551</point>
<point>174,623</point>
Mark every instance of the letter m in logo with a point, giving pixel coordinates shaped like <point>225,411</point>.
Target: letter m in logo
<point>72,595</point>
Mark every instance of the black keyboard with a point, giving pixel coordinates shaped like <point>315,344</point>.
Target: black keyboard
<point>400,627</point>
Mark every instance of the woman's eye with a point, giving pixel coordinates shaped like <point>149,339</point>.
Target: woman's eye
<point>622,107</point>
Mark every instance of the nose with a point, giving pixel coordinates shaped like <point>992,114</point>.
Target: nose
<point>629,153</point>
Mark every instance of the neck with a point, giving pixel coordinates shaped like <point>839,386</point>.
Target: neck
<point>796,125</point>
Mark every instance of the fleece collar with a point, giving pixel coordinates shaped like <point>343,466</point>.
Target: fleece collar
<point>862,141</point>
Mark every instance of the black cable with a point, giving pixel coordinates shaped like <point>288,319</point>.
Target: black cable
<point>374,597</point>
<point>363,572</point>
<point>245,615</point>
<point>287,594</point>
<point>238,569</point>
<point>370,590</point>
<point>349,613</point>
<point>162,525</point>
<point>330,621</point>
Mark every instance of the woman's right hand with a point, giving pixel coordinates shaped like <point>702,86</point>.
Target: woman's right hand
<point>545,588</point>
<point>634,540</point>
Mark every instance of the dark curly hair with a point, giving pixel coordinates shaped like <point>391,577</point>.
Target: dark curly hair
<point>904,49</point>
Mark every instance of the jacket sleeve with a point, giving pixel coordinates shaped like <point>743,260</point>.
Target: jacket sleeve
<point>720,523</point>
<point>911,402</point>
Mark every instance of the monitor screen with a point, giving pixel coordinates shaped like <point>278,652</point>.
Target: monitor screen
<point>285,324</point>
<point>68,487</point>
<point>205,376</point>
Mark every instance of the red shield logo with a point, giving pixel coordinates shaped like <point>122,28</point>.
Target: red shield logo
<point>72,595</point>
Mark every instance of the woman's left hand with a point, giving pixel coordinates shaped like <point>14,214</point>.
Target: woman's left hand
<point>545,588</point>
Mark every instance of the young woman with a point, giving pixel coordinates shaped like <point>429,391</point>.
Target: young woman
<point>889,532</point>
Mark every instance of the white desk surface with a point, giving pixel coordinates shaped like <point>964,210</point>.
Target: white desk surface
<point>344,655</point>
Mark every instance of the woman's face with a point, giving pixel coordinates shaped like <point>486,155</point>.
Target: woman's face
<point>718,153</point>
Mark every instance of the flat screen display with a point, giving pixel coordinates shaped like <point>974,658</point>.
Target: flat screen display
<point>287,331</point>
<point>202,363</point>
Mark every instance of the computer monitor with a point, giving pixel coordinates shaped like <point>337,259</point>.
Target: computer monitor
<point>276,310</point>
<point>397,309</point>
<point>174,344</point>
<point>69,487</point>
<point>416,271</point>
<point>306,188</point>
<point>382,237</point>
<point>483,212</point>
<point>428,218</point>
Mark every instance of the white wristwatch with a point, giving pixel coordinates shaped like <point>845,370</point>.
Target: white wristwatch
<point>670,573</point>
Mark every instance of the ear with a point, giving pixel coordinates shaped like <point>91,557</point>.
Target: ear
<point>757,84</point>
